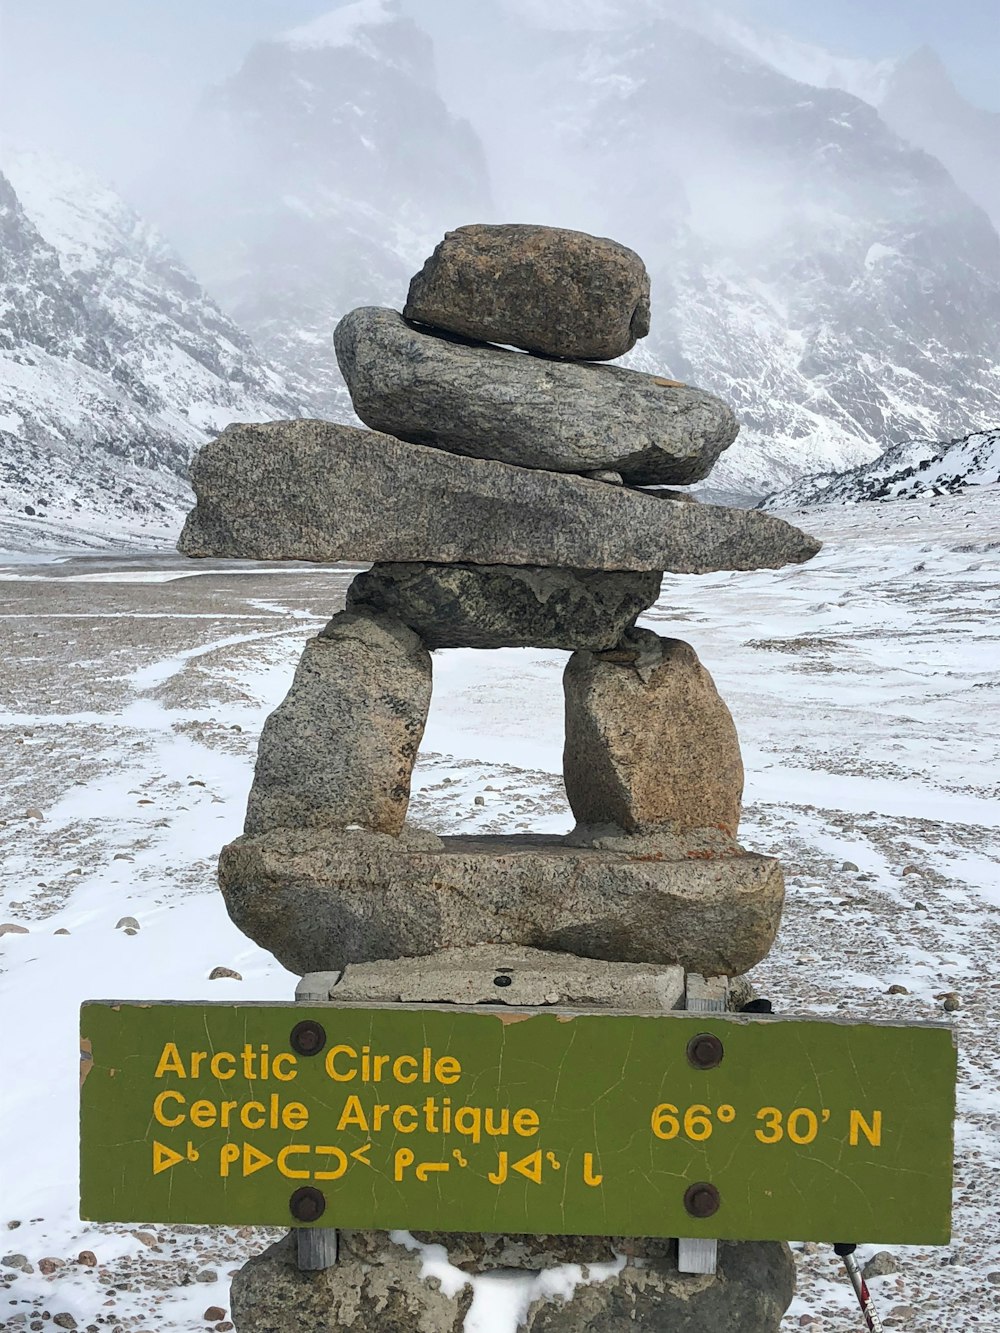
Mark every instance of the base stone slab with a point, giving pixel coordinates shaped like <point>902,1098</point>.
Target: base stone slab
<point>506,974</point>
<point>378,1286</point>
<point>322,899</point>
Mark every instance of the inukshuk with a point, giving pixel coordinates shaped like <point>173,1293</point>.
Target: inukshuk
<point>507,499</point>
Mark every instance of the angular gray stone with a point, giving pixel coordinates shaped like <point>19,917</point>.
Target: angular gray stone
<point>549,290</point>
<point>559,415</point>
<point>750,1293</point>
<point>386,1294</point>
<point>320,899</point>
<point>313,490</point>
<point>341,747</point>
<point>530,977</point>
<point>376,1287</point>
<point>649,742</point>
<point>507,606</point>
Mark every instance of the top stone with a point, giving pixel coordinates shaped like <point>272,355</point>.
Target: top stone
<point>544,289</point>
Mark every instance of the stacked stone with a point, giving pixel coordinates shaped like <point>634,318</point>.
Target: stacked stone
<point>505,501</point>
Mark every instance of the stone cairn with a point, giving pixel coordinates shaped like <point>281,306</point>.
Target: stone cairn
<point>505,501</point>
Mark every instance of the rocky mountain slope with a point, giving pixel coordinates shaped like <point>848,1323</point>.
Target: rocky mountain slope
<point>915,96</point>
<point>318,178</point>
<point>114,364</point>
<point>913,470</point>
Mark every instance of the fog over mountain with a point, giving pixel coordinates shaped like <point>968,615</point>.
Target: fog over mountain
<point>821,230</point>
<point>317,179</point>
<point>824,274</point>
<point>114,364</point>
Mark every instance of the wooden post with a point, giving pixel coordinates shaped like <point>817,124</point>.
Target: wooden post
<point>707,995</point>
<point>317,1246</point>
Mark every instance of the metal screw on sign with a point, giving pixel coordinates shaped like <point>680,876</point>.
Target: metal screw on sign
<point>307,1204</point>
<point>702,1199</point>
<point>307,1037</point>
<point>846,1252</point>
<point>705,1051</point>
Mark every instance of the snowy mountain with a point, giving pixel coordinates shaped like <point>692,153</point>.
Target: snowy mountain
<point>914,470</point>
<point>922,104</point>
<point>318,178</point>
<point>915,96</point>
<point>824,275</point>
<point>811,265</point>
<point>808,264</point>
<point>114,365</point>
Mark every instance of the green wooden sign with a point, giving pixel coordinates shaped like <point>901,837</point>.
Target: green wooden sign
<point>502,1120</point>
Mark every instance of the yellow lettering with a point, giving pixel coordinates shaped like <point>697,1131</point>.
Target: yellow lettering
<point>341,1159</point>
<point>295,1116</point>
<point>495,1126</point>
<point>224,1113</point>
<point>158,1109</point>
<point>198,1058</point>
<point>590,1176</point>
<point>245,1115</point>
<point>872,1132</point>
<point>202,1114</point>
<point>228,1154</point>
<point>287,1170</point>
<point>410,1060</point>
<point>468,1121</point>
<point>774,1132</point>
<point>170,1062</point>
<point>803,1125</point>
<point>283,1059</point>
<point>216,1065</point>
<point>525,1123</point>
<point>331,1063</point>
<point>379,1111</point>
<point>353,1114</point>
<point>447,1069</point>
<point>403,1158</point>
<point>397,1119</point>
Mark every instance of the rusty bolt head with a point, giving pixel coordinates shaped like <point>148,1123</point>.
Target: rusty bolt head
<point>308,1037</point>
<point>705,1051</point>
<point>307,1204</point>
<point>702,1200</point>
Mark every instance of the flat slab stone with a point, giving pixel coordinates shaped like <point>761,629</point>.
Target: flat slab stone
<point>340,748</point>
<point>313,490</point>
<point>546,289</point>
<point>510,974</point>
<point>320,900</point>
<point>507,606</point>
<point>562,416</point>
<point>649,742</point>
<point>377,1287</point>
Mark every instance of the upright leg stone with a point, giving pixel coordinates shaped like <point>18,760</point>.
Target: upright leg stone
<point>649,742</point>
<point>341,747</point>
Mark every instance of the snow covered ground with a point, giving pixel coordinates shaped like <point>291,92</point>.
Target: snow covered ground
<point>866,691</point>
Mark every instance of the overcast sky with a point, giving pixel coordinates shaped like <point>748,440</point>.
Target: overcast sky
<point>102,81</point>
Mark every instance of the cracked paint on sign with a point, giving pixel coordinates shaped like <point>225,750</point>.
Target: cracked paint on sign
<point>442,1118</point>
